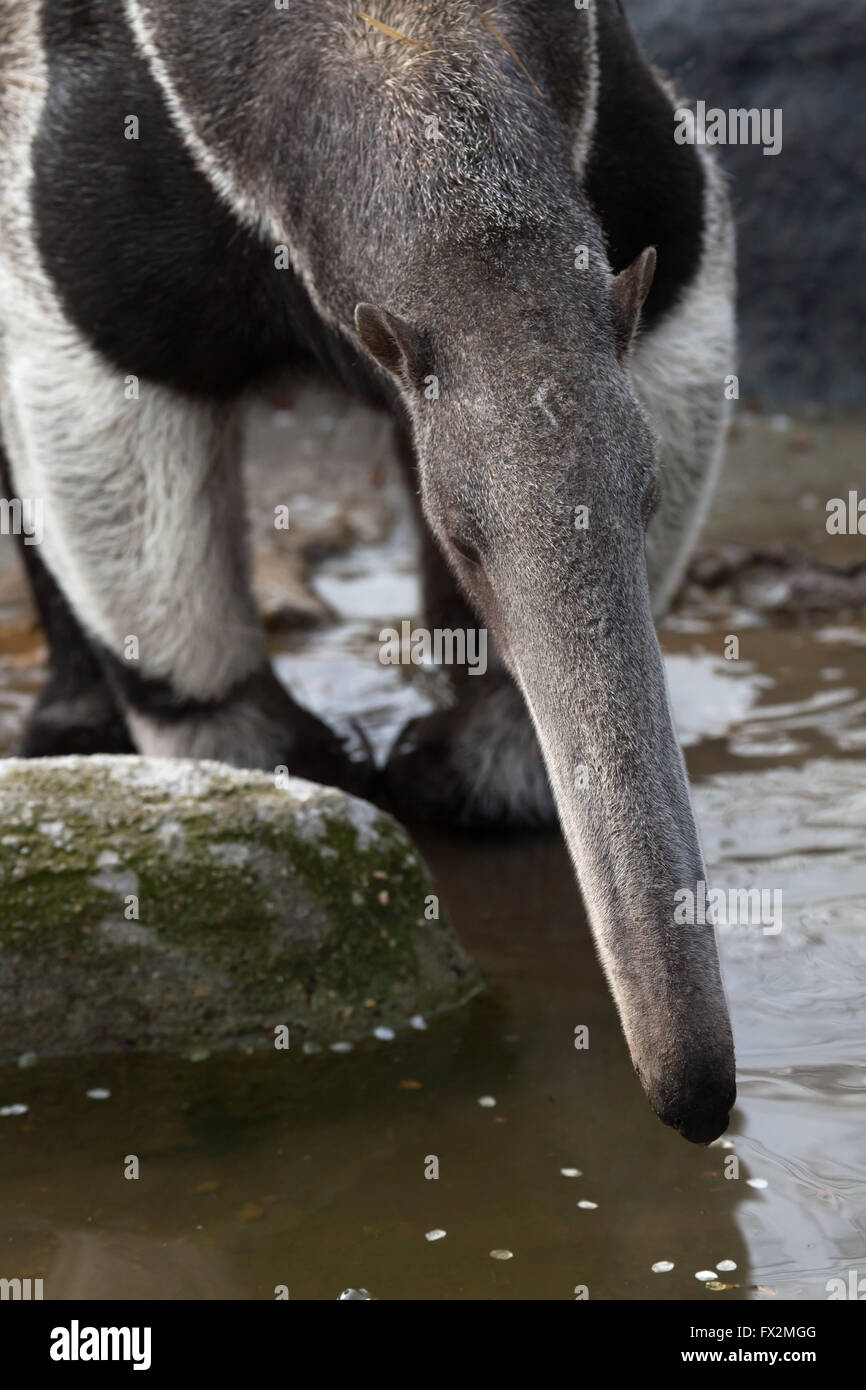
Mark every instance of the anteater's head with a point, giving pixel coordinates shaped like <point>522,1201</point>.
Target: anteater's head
<point>538,477</point>
<point>492,309</point>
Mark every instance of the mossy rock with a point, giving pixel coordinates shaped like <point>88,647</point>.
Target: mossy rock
<point>162,904</point>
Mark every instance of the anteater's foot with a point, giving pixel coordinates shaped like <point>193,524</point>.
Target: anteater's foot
<point>84,723</point>
<point>476,764</point>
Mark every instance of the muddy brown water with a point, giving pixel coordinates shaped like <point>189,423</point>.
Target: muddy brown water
<point>308,1171</point>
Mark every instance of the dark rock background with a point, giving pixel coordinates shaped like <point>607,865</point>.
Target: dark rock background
<point>802,213</point>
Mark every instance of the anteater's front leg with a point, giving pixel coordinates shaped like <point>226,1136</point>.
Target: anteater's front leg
<point>76,711</point>
<point>144,535</point>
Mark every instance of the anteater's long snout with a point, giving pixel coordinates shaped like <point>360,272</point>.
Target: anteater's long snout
<point>594,681</point>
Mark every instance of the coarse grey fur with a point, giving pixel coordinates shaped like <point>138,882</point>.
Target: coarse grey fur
<point>450,258</point>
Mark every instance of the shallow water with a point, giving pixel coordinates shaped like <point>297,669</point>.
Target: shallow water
<point>308,1171</point>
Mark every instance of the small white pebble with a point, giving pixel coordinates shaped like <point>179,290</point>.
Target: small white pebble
<point>341,1047</point>
<point>588,1206</point>
<point>418,1021</point>
<point>756,1182</point>
<point>725,1266</point>
<point>716,1285</point>
<point>663,1266</point>
<point>722,1144</point>
<point>571,1172</point>
<point>13,1110</point>
<point>384,1034</point>
<point>486,1102</point>
<point>27,1059</point>
<point>98,1093</point>
<point>435,1235</point>
<point>705,1275</point>
<point>311,1048</point>
<point>502,1254</point>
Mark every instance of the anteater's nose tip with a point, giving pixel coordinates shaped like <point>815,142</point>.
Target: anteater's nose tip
<point>702,1119</point>
<point>704,1127</point>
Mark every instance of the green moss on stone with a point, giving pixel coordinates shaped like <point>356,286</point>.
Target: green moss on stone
<point>323,914</point>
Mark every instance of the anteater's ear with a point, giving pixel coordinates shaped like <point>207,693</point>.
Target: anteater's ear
<point>630,289</point>
<point>393,342</point>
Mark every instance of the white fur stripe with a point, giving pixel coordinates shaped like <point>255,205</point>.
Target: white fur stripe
<point>249,205</point>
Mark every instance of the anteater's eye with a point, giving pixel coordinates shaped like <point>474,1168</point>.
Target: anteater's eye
<point>465,549</point>
<point>651,499</point>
